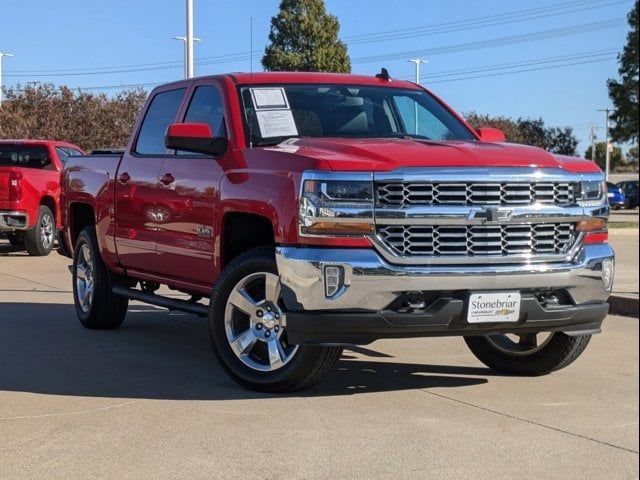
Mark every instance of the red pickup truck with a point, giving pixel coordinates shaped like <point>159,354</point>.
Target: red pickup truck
<point>315,211</point>
<point>30,191</point>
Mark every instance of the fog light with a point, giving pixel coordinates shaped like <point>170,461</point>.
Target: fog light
<point>608,270</point>
<point>333,279</point>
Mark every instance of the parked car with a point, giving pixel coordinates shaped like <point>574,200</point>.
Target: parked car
<point>322,210</point>
<point>630,190</point>
<point>617,199</point>
<point>30,191</point>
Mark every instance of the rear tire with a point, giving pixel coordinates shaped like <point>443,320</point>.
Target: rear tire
<point>557,352</point>
<point>97,307</point>
<point>39,240</point>
<point>250,341</point>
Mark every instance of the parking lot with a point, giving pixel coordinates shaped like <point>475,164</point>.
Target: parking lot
<point>149,401</point>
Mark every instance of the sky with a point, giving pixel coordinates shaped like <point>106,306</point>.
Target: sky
<point>519,59</point>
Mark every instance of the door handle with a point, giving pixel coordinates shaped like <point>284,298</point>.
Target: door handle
<point>124,177</point>
<point>167,179</point>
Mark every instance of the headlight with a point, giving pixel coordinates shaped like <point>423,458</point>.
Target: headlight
<point>336,207</point>
<point>591,192</point>
<point>338,192</point>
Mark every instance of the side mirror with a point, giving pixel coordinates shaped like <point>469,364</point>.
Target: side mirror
<point>194,137</point>
<point>491,135</point>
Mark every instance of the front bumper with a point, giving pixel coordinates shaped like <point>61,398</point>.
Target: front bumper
<point>11,221</point>
<point>363,309</point>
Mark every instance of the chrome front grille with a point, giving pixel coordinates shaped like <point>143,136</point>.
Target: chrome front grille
<point>401,194</point>
<point>478,240</point>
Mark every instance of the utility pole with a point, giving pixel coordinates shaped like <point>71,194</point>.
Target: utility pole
<point>189,41</point>
<point>607,146</point>
<point>592,137</point>
<point>417,62</point>
<point>2,55</point>
<point>184,41</point>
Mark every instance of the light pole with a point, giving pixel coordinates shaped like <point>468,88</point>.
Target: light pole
<point>607,163</point>
<point>189,41</point>
<point>184,40</point>
<point>417,62</point>
<point>2,55</point>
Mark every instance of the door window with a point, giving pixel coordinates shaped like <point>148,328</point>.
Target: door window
<point>206,107</point>
<point>63,155</point>
<point>160,114</point>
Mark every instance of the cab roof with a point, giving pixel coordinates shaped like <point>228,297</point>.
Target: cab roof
<point>266,78</point>
<point>317,77</point>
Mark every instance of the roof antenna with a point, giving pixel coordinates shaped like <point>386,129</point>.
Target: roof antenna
<point>384,75</point>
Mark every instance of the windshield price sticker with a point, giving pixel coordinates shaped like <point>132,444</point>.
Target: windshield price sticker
<point>269,98</point>
<point>276,123</point>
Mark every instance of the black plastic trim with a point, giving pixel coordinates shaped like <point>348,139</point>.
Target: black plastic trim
<point>445,317</point>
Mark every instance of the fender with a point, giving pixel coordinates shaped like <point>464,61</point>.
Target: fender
<point>94,188</point>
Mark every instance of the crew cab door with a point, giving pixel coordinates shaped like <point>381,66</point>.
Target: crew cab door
<point>136,183</point>
<point>188,196</point>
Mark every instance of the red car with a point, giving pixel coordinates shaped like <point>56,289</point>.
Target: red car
<point>321,210</point>
<point>30,191</point>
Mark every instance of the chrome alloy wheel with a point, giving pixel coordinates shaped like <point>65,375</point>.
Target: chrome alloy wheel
<point>46,231</point>
<point>255,323</point>
<point>520,345</point>
<point>84,279</point>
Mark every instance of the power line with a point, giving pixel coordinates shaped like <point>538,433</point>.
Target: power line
<point>500,41</point>
<point>448,27</point>
<point>550,67</point>
<point>481,22</point>
<point>503,66</point>
<point>456,75</point>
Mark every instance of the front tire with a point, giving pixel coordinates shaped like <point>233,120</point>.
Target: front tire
<point>529,356</point>
<point>97,307</point>
<point>247,323</point>
<point>39,240</point>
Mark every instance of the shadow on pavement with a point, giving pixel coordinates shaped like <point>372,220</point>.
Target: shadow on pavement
<point>159,355</point>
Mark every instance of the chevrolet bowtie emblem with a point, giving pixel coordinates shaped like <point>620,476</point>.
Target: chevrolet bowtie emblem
<point>493,215</point>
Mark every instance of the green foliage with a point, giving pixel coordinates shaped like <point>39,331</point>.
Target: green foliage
<point>617,158</point>
<point>86,119</point>
<point>624,93</point>
<point>304,37</point>
<point>529,132</point>
<point>632,155</point>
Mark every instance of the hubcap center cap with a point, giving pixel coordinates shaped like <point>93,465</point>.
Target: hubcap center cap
<point>269,321</point>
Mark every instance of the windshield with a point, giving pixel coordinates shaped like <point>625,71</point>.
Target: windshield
<point>273,113</point>
<point>16,155</point>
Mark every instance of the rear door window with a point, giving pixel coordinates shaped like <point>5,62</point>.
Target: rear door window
<point>160,114</point>
<point>25,156</point>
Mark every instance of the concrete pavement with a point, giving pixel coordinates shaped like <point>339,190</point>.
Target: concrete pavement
<point>149,401</point>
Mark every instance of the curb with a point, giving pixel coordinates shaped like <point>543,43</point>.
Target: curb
<point>625,306</point>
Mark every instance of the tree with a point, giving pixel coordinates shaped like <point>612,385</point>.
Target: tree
<point>304,37</point>
<point>624,93</point>
<point>86,119</point>
<point>632,155</point>
<point>561,141</point>
<point>529,132</point>
<point>601,159</point>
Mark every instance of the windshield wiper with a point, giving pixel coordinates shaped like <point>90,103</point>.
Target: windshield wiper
<point>406,136</point>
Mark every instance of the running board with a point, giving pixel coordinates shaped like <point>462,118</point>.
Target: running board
<point>165,302</point>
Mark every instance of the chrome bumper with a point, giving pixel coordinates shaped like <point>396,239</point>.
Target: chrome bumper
<point>370,283</point>
<point>11,221</point>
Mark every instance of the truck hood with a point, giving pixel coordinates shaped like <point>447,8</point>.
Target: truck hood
<point>388,154</point>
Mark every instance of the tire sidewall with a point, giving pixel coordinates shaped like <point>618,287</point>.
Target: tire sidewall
<point>549,358</point>
<point>33,237</point>
<point>260,260</point>
<point>83,239</point>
